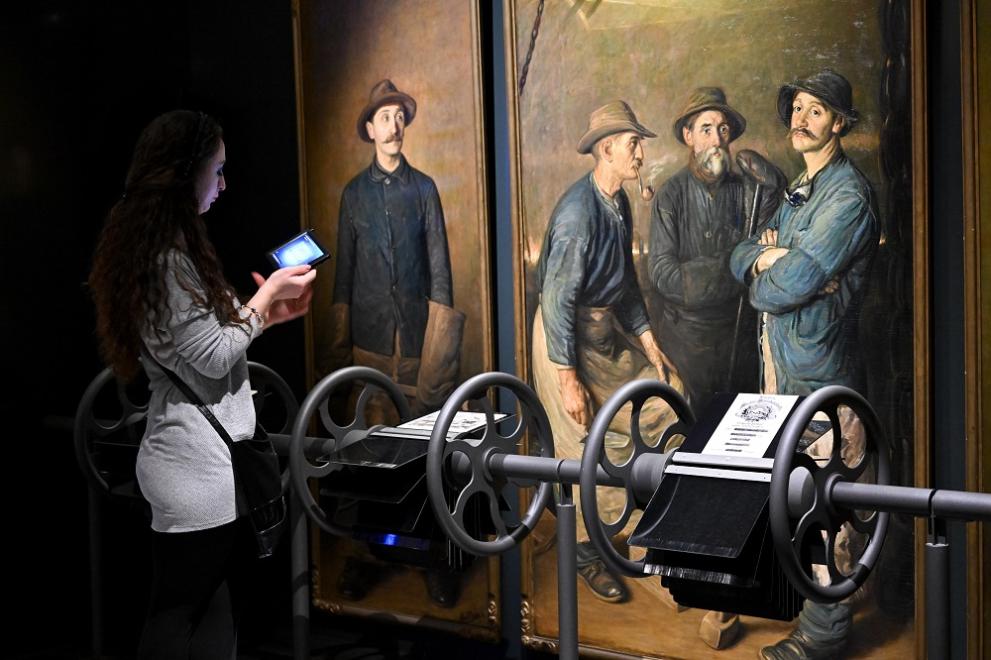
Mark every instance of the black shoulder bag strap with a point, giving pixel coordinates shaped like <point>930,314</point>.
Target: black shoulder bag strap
<point>202,407</point>
<point>256,473</point>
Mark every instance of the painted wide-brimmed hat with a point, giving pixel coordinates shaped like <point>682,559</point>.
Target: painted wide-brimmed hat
<point>829,87</point>
<point>384,93</point>
<point>613,117</point>
<point>709,98</point>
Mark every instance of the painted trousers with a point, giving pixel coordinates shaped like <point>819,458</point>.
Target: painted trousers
<point>607,358</point>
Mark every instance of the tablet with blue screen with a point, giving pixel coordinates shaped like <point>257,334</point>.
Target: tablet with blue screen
<point>301,249</point>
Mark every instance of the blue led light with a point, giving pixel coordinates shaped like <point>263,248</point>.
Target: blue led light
<point>389,539</point>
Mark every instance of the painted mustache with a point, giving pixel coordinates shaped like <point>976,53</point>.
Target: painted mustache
<point>803,131</point>
<point>396,137</point>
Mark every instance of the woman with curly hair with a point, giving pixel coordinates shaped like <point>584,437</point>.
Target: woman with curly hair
<point>162,300</point>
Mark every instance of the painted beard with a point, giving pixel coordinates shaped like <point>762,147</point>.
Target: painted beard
<point>713,161</point>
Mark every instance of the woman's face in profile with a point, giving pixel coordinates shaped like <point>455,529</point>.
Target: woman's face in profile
<point>210,180</point>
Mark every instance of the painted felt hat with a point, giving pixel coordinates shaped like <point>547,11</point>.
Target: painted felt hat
<point>384,93</point>
<point>709,98</point>
<point>613,117</point>
<point>829,87</point>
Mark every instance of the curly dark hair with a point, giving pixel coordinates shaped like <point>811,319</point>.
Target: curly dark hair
<point>158,212</point>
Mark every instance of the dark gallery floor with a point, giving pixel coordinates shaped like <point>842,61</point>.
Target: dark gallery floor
<point>265,631</point>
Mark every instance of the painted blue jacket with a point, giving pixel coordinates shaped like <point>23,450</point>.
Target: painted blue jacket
<point>833,236</point>
<point>391,257</point>
<point>587,261</point>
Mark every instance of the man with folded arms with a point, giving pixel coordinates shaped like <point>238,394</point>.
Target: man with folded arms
<point>807,274</point>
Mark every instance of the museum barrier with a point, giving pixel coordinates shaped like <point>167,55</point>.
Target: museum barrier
<point>738,490</point>
<point>107,430</point>
<point>466,474</point>
<point>760,521</point>
<point>356,461</point>
<point>491,462</point>
<point>799,508</point>
<point>366,482</point>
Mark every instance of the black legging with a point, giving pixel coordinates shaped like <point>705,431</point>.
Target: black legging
<point>197,586</point>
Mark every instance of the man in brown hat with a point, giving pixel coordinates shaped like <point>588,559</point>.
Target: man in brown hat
<point>698,217</point>
<point>392,307</point>
<point>807,274</point>
<point>393,272</point>
<point>591,333</point>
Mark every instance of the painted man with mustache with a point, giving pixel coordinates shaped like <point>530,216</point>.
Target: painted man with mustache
<point>392,307</point>
<point>393,270</point>
<point>807,274</point>
<point>699,216</point>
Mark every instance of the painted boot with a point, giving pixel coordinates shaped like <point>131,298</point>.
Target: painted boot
<point>720,629</point>
<point>822,633</point>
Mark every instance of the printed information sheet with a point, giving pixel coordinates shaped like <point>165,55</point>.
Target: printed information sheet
<point>750,424</point>
<point>464,422</point>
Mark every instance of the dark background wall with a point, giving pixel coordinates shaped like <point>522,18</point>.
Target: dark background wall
<point>946,249</point>
<point>79,80</point>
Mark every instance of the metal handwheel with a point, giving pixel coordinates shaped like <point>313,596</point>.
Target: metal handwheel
<point>106,421</point>
<point>477,454</point>
<point>638,393</point>
<point>308,463</point>
<point>275,404</point>
<point>92,433</point>
<point>800,512</point>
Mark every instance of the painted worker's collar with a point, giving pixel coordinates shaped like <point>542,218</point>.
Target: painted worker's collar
<point>800,190</point>
<point>378,175</point>
<point>610,202</point>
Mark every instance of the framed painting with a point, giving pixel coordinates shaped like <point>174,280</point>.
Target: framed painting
<point>393,181</point>
<point>640,132</point>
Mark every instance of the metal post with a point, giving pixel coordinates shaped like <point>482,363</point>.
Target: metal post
<point>300,577</point>
<point>937,592</point>
<point>95,581</point>
<point>567,575</point>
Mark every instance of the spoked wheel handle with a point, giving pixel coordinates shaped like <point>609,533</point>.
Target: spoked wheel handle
<point>791,529</point>
<point>272,391</point>
<point>304,462</point>
<point>474,457</point>
<point>594,456</point>
<point>87,428</point>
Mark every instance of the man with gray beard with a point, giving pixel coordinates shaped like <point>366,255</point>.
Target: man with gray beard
<point>699,216</point>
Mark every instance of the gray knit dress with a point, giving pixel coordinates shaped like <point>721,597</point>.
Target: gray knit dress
<point>183,466</point>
